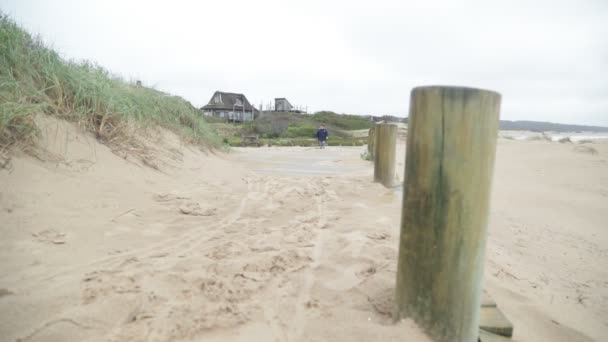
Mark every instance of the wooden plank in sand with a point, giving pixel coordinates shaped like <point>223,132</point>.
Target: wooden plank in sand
<point>451,146</point>
<point>492,320</point>
<point>485,336</point>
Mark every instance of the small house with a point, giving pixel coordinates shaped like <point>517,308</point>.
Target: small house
<point>230,106</point>
<point>282,105</point>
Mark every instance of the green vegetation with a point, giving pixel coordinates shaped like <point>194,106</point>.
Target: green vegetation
<point>291,125</point>
<point>366,156</point>
<point>236,141</point>
<point>291,129</point>
<point>341,121</point>
<point>35,79</point>
<point>300,130</point>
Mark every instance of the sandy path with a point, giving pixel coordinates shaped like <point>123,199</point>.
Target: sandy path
<point>208,250</point>
<point>548,243</point>
<point>278,244</point>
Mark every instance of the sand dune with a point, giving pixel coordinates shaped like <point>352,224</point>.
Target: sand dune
<point>276,244</point>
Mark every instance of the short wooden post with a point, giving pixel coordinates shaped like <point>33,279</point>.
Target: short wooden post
<point>371,142</point>
<point>384,156</point>
<point>450,158</point>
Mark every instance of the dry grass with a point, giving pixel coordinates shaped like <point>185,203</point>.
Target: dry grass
<point>34,80</point>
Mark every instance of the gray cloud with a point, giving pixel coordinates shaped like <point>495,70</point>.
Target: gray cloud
<point>549,59</point>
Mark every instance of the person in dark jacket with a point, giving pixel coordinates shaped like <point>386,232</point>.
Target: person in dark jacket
<point>322,135</point>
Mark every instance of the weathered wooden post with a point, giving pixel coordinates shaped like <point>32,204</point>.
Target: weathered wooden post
<point>450,158</point>
<point>384,154</point>
<point>371,142</point>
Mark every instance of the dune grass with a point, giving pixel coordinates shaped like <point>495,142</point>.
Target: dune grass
<point>275,125</point>
<point>342,121</point>
<point>35,79</point>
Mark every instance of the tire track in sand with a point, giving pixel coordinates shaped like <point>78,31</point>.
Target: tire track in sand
<point>297,325</point>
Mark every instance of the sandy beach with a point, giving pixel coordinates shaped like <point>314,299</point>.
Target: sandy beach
<point>278,244</point>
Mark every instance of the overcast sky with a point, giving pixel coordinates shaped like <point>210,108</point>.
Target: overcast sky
<point>549,59</point>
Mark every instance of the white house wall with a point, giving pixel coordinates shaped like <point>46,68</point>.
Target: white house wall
<point>230,115</point>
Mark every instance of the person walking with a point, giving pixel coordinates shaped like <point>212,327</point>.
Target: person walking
<point>322,135</point>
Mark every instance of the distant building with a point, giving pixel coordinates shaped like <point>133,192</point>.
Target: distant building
<point>282,105</point>
<point>229,106</point>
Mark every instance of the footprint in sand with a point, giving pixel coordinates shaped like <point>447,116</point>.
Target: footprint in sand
<point>5,292</point>
<point>50,236</point>
<point>194,209</point>
<point>382,301</point>
<point>345,279</point>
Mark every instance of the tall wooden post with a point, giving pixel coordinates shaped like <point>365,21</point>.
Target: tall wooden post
<point>384,154</point>
<point>371,142</point>
<point>450,158</point>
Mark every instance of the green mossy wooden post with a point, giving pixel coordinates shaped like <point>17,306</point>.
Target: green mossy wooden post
<point>371,142</point>
<point>384,155</point>
<point>450,158</point>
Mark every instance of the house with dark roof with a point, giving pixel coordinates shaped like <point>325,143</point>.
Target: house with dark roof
<point>230,106</point>
<point>282,105</point>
